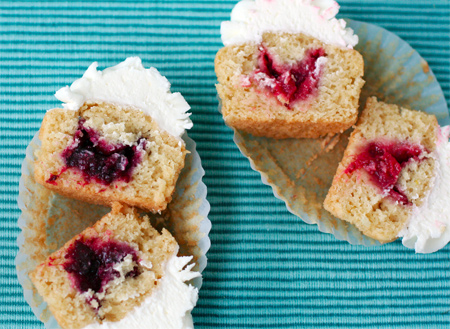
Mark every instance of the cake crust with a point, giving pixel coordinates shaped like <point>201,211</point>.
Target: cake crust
<point>248,108</point>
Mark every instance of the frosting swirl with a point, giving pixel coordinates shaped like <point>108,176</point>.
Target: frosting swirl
<point>316,18</point>
<point>130,84</point>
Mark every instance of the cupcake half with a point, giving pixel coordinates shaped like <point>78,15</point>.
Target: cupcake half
<point>288,69</point>
<point>394,178</point>
<point>118,138</point>
<point>119,273</point>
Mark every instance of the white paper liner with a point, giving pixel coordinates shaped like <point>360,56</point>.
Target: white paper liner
<point>48,220</point>
<point>300,171</point>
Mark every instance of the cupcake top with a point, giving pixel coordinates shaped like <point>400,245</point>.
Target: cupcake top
<point>170,303</point>
<point>316,18</point>
<point>428,228</point>
<point>129,83</point>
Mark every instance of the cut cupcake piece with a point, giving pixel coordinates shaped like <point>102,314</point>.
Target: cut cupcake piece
<point>118,273</point>
<point>118,138</point>
<point>388,170</point>
<point>289,86</point>
<point>104,153</point>
<point>287,80</point>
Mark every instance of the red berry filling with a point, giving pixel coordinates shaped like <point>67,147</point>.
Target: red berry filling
<point>91,263</point>
<point>99,160</point>
<point>384,162</point>
<point>52,179</point>
<point>289,83</point>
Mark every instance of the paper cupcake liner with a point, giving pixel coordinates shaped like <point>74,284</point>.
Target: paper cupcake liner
<point>48,220</point>
<point>300,171</point>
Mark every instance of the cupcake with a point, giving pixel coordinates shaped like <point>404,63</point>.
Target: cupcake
<point>288,69</point>
<point>394,178</point>
<point>119,273</point>
<point>118,138</point>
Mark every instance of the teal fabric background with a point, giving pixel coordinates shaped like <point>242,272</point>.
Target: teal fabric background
<point>267,268</point>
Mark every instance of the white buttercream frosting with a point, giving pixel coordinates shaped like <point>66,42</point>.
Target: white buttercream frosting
<point>316,18</point>
<point>428,228</point>
<point>130,84</point>
<point>170,304</point>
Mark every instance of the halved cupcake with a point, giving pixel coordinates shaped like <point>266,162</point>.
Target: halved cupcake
<point>393,180</point>
<point>119,273</point>
<point>288,69</point>
<point>118,138</point>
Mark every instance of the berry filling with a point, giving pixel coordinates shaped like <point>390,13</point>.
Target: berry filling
<point>91,264</point>
<point>384,162</point>
<point>99,160</point>
<point>289,83</point>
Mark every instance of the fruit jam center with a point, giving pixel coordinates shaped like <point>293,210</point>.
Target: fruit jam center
<point>289,83</point>
<point>91,263</point>
<point>97,159</point>
<point>384,162</point>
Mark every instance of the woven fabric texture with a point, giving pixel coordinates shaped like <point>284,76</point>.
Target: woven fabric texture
<point>266,268</point>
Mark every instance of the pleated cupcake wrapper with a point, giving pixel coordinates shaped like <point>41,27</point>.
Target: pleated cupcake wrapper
<point>49,220</point>
<point>300,171</point>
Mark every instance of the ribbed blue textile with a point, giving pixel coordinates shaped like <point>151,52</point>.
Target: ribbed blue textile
<point>267,268</point>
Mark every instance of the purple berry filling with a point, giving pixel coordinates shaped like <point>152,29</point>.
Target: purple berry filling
<point>289,83</point>
<point>91,263</point>
<point>99,160</point>
<point>384,162</point>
